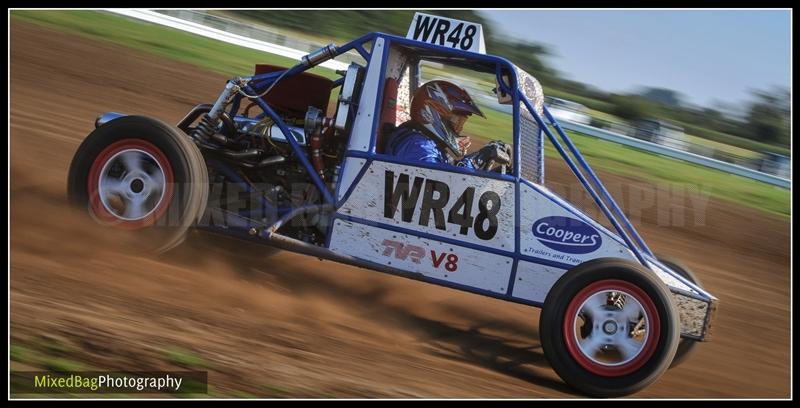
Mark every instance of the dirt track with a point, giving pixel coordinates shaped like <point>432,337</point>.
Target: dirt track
<point>284,325</point>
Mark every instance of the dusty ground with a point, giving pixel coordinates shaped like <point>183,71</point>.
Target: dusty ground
<point>283,325</point>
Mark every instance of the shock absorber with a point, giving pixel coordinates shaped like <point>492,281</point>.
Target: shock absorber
<point>207,128</point>
<point>616,299</point>
<point>316,124</point>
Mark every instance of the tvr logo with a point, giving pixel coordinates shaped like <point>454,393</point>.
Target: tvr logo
<point>403,251</point>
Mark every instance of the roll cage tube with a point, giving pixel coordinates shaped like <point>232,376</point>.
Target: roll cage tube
<point>598,183</point>
<point>258,83</point>
<point>517,96</point>
<point>597,199</point>
<point>510,90</point>
<point>253,85</point>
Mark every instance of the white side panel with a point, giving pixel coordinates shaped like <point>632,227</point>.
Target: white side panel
<point>369,200</point>
<point>670,280</point>
<point>349,173</point>
<point>536,208</point>
<point>533,281</point>
<point>572,243</point>
<point>362,127</point>
<point>428,257</point>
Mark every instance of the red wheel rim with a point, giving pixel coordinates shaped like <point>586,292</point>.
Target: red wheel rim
<point>156,181</point>
<point>594,292</point>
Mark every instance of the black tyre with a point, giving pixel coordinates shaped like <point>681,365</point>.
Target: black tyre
<point>609,327</point>
<point>685,346</point>
<point>141,175</point>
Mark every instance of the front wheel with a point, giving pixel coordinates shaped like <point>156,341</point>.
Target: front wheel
<point>609,327</point>
<point>140,175</point>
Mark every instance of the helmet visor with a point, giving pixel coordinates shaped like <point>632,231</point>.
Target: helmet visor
<point>467,108</point>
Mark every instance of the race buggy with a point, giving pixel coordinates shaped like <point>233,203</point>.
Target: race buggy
<point>267,162</point>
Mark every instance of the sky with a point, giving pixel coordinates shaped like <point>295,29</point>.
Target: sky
<point>706,55</point>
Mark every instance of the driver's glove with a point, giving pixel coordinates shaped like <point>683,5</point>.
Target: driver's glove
<point>496,151</point>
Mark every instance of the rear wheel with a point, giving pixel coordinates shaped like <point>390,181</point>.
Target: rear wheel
<point>609,327</point>
<point>686,346</point>
<point>140,175</point>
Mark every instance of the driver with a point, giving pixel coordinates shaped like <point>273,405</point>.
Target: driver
<point>439,110</point>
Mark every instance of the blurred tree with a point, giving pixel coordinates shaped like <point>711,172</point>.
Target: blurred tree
<point>630,107</point>
<point>730,110</point>
<point>768,117</point>
<point>663,96</point>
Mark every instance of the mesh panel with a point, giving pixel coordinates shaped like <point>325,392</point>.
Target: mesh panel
<point>531,145</point>
<point>532,163</point>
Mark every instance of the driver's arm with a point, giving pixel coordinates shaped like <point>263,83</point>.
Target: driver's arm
<point>418,148</point>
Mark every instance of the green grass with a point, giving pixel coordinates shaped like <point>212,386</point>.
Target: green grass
<point>242,395</point>
<point>63,365</point>
<point>733,140</point>
<point>196,389</point>
<point>22,354</point>
<point>275,391</point>
<point>730,149</point>
<point>232,60</point>
<point>596,114</point>
<point>47,354</point>
<point>628,161</point>
<point>496,126</point>
<point>478,79</point>
<point>203,52</point>
<point>310,36</point>
<point>588,102</point>
<point>185,358</point>
<point>54,346</point>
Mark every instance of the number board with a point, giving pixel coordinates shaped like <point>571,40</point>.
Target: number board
<point>447,32</point>
<point>458,206</point>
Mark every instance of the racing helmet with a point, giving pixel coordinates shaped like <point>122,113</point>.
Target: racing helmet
<point>433,105</point>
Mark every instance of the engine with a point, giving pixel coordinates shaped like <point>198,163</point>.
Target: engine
<point>280,183</point>
<point>262,178</point>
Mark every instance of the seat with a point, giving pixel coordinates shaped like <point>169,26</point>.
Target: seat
<point>293,95</point>
<point>388,116</point>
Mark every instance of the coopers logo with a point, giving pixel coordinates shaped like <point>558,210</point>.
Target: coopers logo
<point>566,234</point>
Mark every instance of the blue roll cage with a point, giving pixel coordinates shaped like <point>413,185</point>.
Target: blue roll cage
<point>590,181</point>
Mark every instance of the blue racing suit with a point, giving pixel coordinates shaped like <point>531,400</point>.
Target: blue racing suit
<point>410,144</point>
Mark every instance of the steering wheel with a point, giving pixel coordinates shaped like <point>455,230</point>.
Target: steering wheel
<point>502,166</point>
<point>492,166</point>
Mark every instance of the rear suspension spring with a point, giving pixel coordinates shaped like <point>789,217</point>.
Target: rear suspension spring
<point>208,125</point>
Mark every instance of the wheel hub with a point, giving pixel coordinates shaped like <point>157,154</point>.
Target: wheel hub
<point>610,327</point>
<point>600,328</point>
<point>132,184</point>
<point>137,185</point>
